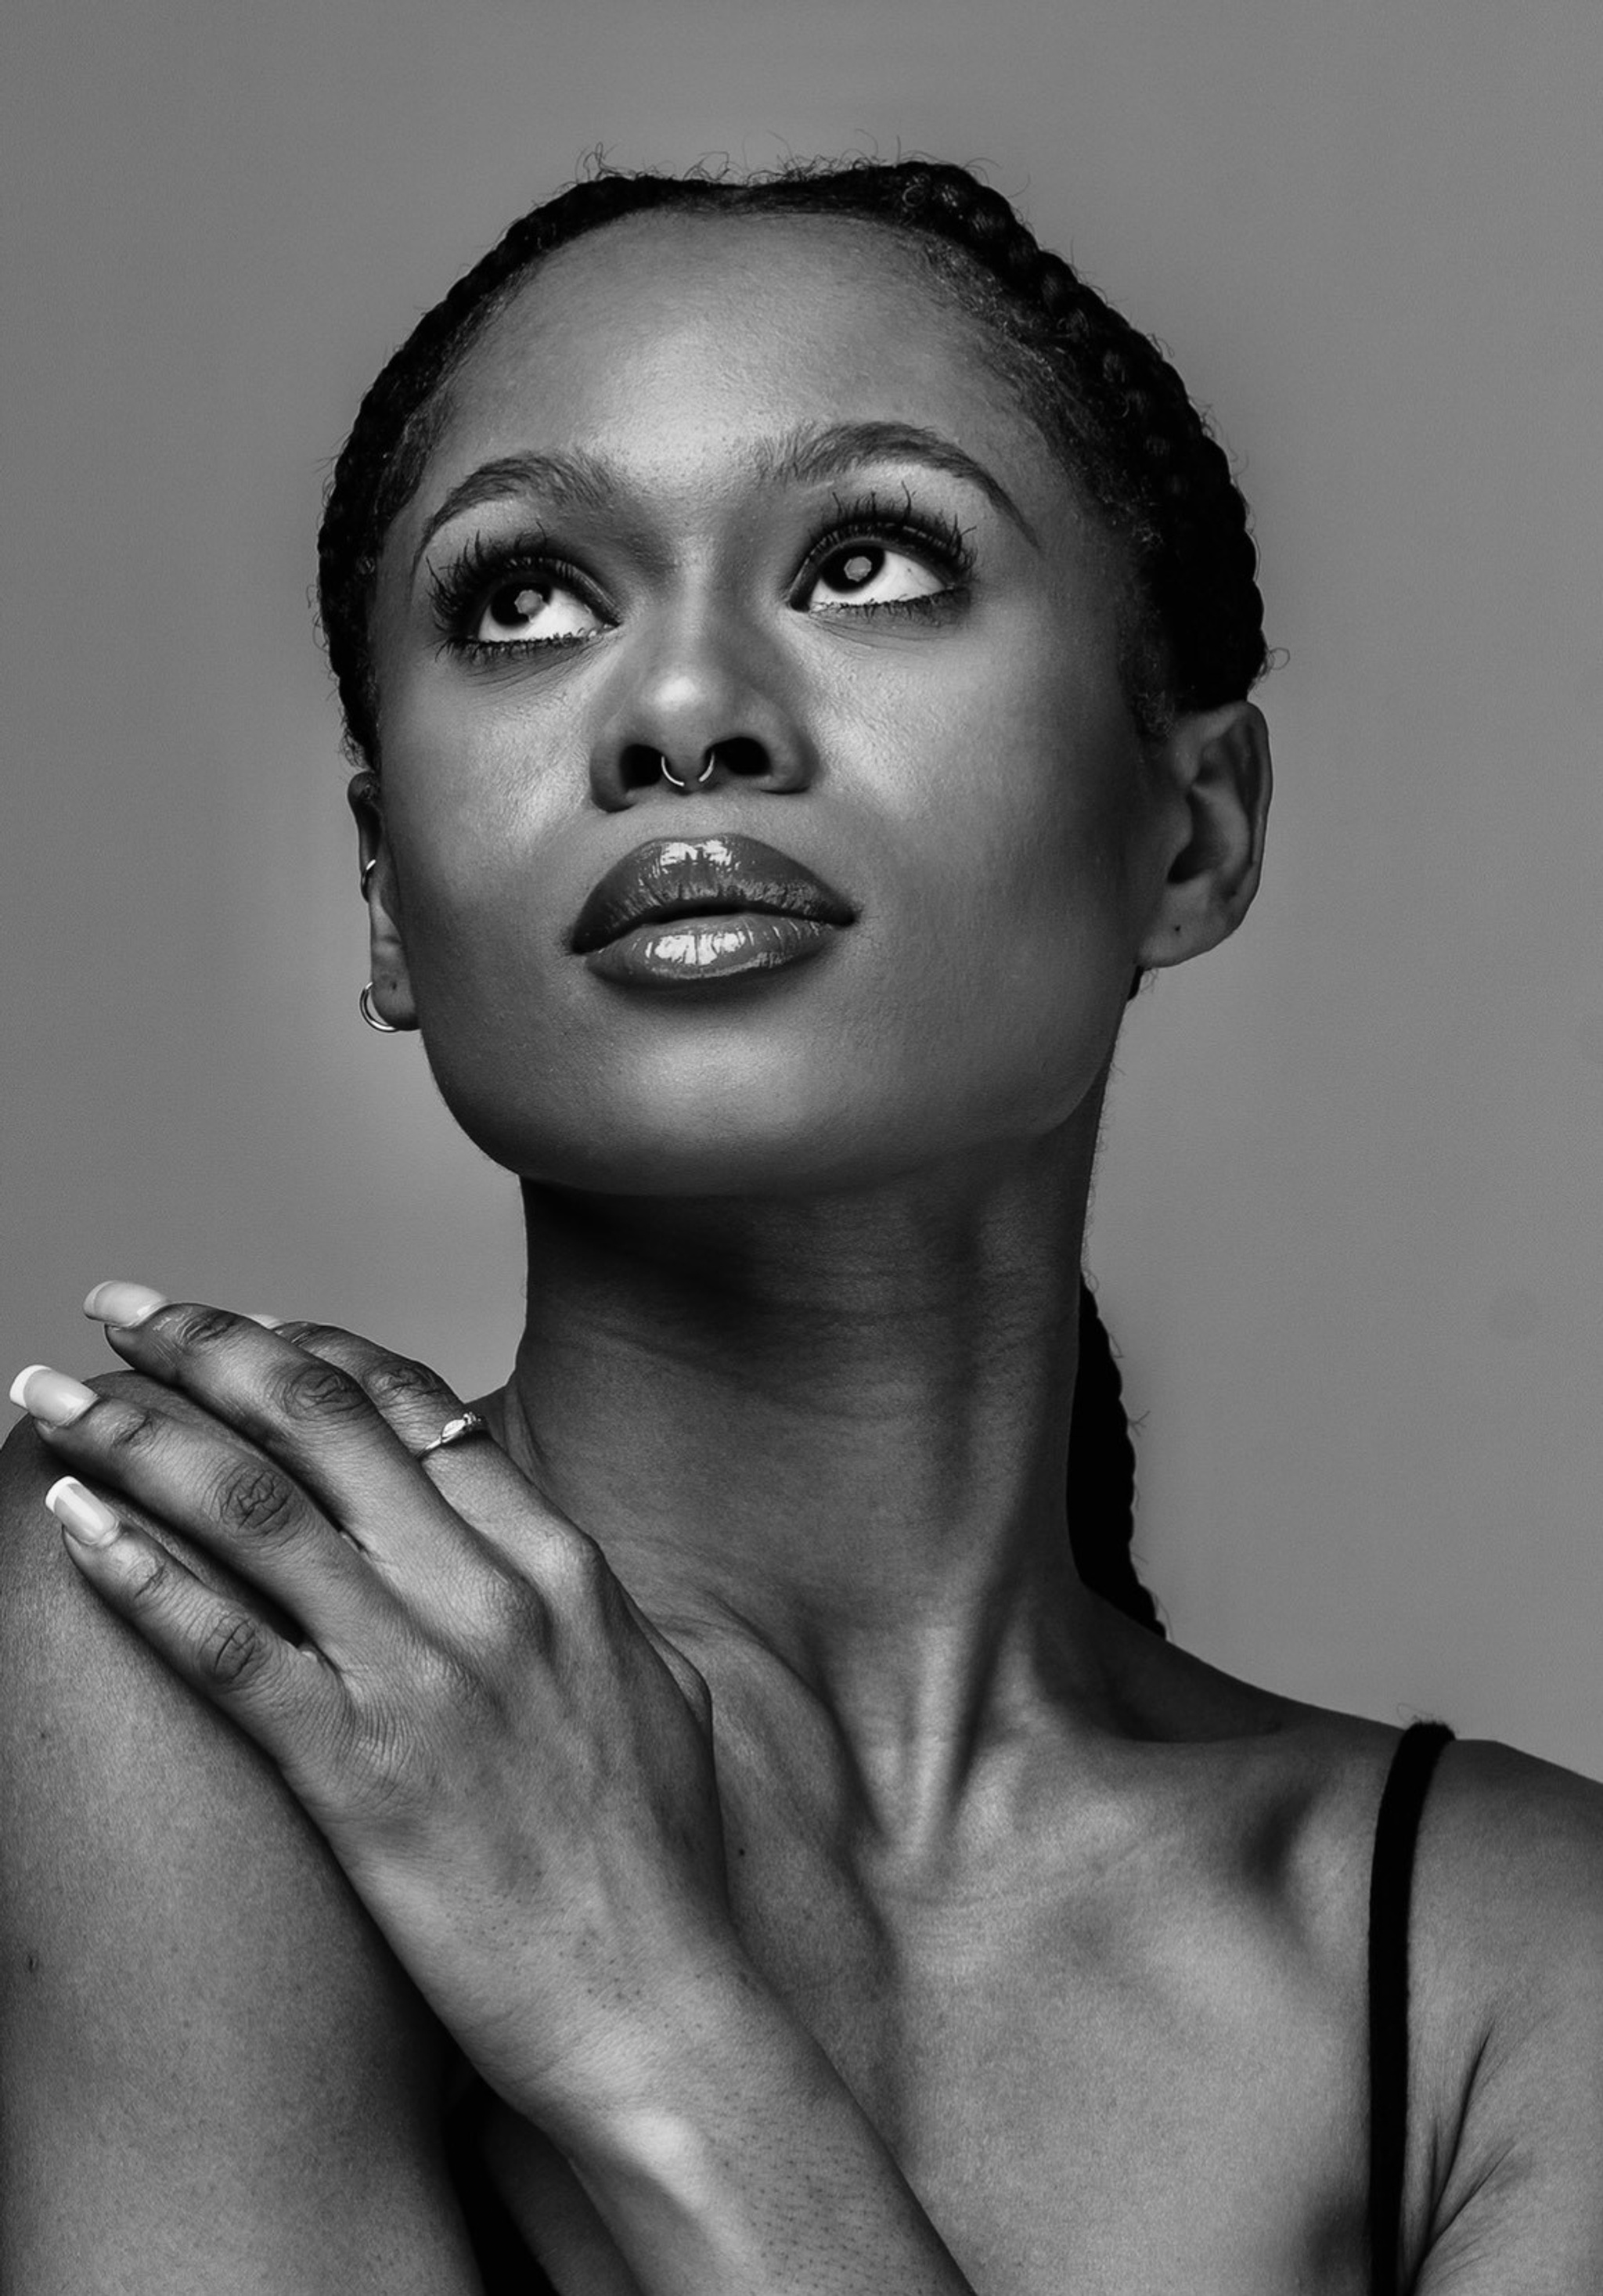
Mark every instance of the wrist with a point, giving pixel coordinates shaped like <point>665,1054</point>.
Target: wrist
<point>657,2076</point>
<point>737,2162</point>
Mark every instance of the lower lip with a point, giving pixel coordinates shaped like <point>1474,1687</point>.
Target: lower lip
<point>682,952</point>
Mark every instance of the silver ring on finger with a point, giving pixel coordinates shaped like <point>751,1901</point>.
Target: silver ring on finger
<point>454,1430</point>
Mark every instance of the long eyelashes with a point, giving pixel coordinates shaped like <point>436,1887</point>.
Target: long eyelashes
<point>931,535</point>
<point>462,591</point>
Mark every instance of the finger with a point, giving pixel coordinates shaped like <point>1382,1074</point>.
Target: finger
<point>196,1476</point>
<point>410,1397</point>
<point>484,1486</point>
<point>284,1696</point>
<point>312,1418</point>
<point>492,1496</point>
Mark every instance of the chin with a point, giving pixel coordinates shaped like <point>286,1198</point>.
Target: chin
<point>752,1146</point>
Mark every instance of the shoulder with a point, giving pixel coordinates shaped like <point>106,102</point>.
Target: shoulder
<point>1507,2045</point>
<point>1505,2022</point>
<point>201,2032</point>
<point>1515,1838</point>
<point>1508,1905</point>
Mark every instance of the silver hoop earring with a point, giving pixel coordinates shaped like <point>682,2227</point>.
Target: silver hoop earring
<point>365,1005</point>
<point>367,869</point>
<point>668,773</point>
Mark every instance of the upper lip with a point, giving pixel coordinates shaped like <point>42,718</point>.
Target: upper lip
<point>680,876</point>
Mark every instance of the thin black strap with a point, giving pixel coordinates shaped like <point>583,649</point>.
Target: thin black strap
<point>1391,1886</point>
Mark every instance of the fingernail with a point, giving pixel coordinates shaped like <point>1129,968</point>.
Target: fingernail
<point>267,1322</point>
<point>123,1303</point>
<point>81,1513</point>
<point>51,1396</point>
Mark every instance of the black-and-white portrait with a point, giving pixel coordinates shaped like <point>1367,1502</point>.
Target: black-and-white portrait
<point>805,1149</point>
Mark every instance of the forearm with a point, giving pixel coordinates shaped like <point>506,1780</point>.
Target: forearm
<point>747,2168</point>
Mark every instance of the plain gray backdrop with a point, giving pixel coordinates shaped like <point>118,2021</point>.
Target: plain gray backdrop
<point>1349,1223</point>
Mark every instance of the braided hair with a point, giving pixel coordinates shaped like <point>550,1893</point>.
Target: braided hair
<point>1104,396</point>
<point>1101,1475</point>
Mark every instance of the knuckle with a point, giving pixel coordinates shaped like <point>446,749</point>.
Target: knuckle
<point>317,1390</point>
<point>513,1610</point>
<point>155,1572</point>
<point>396,1382</point>
<point>232,1649</point>
<point>448,1682</point>
<point>195,1327</point>
<point>251,1498</point>
<point>574,1568</point>
<point>144,1407</point>
<point>131,1427</point>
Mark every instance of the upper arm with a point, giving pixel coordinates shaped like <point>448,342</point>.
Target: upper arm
<point>213,2073</point>
<point>1508,2013</point>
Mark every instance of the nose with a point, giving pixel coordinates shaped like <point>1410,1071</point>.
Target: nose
<point>698,711</point>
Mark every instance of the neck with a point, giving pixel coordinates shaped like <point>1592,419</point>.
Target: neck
<point>834,1430</point>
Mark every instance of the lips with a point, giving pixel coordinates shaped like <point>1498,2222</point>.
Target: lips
<point>702,876</point>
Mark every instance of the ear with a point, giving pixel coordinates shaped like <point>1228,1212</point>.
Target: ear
<point>1214,783</point>
<point>391,983</point>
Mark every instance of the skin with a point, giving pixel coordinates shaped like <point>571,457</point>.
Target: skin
<point>1009,1947</point>
<point>822,1268</point>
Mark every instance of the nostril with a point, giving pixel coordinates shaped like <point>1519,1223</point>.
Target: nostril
<point>740,755</point>
<point>640,765</point>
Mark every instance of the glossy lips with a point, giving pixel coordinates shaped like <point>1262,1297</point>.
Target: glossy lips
<point>702,876</point>
<point>680,912</point>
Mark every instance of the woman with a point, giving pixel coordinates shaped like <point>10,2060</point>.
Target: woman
<point>685,1823</point>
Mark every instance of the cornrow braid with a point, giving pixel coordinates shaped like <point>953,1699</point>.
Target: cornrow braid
<point>1105,396</point>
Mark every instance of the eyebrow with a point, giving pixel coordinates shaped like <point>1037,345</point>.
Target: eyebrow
<point>808,456</point>
<point>571,482</point>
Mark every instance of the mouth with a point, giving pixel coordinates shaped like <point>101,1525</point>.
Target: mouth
<point>709,876</point>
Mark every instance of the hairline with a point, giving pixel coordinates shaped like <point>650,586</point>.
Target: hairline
<point>946,268</point>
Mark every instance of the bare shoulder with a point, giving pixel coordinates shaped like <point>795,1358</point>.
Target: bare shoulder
<point>1507,1910</point>
<point>1507,1942</point>
<point>1519,1842</point>
<point>211,2069</point>
<point>1503,2185</point>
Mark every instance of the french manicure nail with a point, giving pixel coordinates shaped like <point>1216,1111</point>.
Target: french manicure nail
<point>81,1513</point>
<point>123,1304</point>
<point>50,1395</point>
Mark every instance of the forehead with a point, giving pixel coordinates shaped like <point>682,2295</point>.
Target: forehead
<point>668,338</point>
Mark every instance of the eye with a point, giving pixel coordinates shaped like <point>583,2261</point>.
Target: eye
<point>532,608</point>
<point>868,574</point>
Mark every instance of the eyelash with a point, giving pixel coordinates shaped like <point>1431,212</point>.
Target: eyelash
<point>460,590</point>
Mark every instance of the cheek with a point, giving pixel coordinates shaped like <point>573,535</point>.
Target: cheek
<point>475,793</point>
<point>1017,924</point>
<point>1021,973</point>
<point>469,817</point>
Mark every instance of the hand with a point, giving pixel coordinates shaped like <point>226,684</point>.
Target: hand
<point>512,1764</point>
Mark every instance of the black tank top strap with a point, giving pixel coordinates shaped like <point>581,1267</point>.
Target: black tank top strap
<point>1391,1887</point>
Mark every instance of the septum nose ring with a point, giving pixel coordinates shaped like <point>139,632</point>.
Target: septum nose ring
<point>668,773</point>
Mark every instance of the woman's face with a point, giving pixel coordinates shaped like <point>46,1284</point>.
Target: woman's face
<point>751,482</point>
